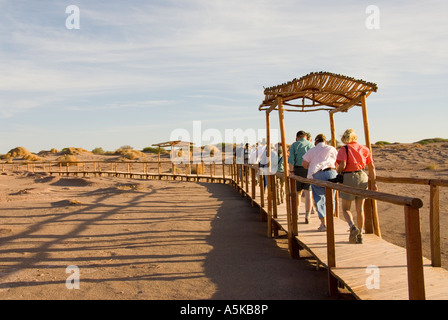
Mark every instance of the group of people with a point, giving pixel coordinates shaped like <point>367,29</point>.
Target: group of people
<point>321,161</point>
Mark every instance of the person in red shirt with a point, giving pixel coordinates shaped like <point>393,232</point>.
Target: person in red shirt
<point>351,160</point>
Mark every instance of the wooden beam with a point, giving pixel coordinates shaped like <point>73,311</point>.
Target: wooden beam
<point>272,107</point>
<point>332,130</point>
<point>331,249</point>
<point>268,155</point>
<point>375,218</point>
<point>348,105</point>
<point>333,143</point>
<point>285,165</point>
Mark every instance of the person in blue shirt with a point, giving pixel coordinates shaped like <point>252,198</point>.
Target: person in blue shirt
<point>295,159</point>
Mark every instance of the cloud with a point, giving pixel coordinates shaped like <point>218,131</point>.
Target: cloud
<point>209,58</point>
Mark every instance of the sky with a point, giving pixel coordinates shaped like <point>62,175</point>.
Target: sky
<point>136,72</point>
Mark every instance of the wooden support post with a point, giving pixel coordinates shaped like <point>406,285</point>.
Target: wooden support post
<point>333,143</point>
<point>434,221</point>
<point>375,218</point>
<point>223,165</point>
<point>268,171</point>
<point>332,130</point>
<point>247,179</point>
<point>261,185</point>
<point>368,220</point>
<point>243,176</point>
<point>291,239</point>
<point>414,254</point>
<point>237,172</point>
<point>273,214</point>
<point>331,250</point>
<point>262,205</point>
<point>294,206</point>
<point>253,186</point>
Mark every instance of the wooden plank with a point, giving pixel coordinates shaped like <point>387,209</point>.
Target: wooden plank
<point>353,259</point>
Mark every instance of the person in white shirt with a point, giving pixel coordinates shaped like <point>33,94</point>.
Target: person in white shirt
<point>321,163</point>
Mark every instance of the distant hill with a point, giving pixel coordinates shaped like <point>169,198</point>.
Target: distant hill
<point>422,142</point>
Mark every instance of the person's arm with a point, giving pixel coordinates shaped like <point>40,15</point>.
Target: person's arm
<point>305,164</point>
<point>341,167</point>
<point>291,169</point>
<point>291,160</point>
<point>342,163</point>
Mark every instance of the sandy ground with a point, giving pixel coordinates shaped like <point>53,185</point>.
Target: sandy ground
<point>135,239</point>
<point>172,240</point>
<point>413,160</point>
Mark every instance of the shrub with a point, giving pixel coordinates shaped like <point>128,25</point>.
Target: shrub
<point>433,140</point>
<point>73,151</point>
<point>129,153</point>
<point>382,143</point>
<point>98,151</point>
<point>155,150</point>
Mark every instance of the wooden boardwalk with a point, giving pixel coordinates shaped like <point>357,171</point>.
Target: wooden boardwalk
<point>374,270</point>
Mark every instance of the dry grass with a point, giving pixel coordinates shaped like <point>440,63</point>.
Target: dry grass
<point>67,159</point>
<point>18,152</point>
<point>128,153</point>
<point>74,151</point>
<point>432,166</point>
<point>32,157</point>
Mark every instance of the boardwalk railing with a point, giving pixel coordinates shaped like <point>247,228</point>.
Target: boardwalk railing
<point>245,178</point>
<point>411,211</point>
<point>434,210</point>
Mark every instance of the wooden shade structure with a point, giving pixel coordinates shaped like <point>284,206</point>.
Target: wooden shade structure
<point>320,91</point>
<point>171,144</point>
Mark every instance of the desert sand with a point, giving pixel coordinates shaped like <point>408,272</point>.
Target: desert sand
<point>174,240</point>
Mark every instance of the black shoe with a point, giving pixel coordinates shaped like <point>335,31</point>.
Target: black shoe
<point>354,233</point>
<point>359,238</point>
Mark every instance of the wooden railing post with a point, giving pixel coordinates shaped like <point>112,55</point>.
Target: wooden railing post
<point>272,204</point>
<point>414,253</point>
<point>331,250</point>
<point>294,207</point>
<point>247,179</point>
<point>253,186</point>
<point>434,221</point>
<point>261,181</point>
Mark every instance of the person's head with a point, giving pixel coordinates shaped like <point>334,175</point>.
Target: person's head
<point>279,149</point>
<point>308,136</point>
<point>300,134</point>
<point>320,138</point>
<point>349,136</point>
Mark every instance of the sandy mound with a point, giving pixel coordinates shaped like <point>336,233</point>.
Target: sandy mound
<point>18,152</point>
<point>72,182</point>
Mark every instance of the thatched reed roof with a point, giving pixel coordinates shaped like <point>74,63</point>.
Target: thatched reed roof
<point>318,91</point>
<point>176,143</point>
